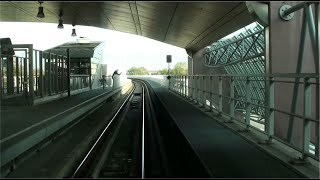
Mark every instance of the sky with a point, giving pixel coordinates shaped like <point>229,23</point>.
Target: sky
<point>122,49</point>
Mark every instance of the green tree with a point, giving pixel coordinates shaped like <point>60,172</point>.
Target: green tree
<point>138,71</point>
<point>163,71</point>
<point>180,69</point>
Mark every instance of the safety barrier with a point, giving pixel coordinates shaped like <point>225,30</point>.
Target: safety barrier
<point>218,93</point>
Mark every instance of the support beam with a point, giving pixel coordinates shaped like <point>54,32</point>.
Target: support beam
<point>296,8</point>
<point>296,85</point>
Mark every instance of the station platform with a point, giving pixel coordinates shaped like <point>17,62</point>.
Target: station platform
<point>17,118</point>
<point>224,153</point>
<point>22,127</point>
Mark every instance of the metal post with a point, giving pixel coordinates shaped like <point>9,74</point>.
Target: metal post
<point>248,101</point>
<point>10,79</point>
<point>62,73</point>
<point>21,74</point>
<point>220,95</point>
<point>191,87</point>
<point>296,8</point>
<point>296,84</point>
<point>25,77</point>
<point>198,89</point>
<point>195,88</point>
<point>181,86</point>
<point>36,73</point>
<point>176,80</point>
<point>41,74</point>
<point>312,29</point>
<point>56,61</point>
<point>31,90</point>
<point>169,74</point>
<point>307,115</point>
<point>203,91</point>
<point>317,9</point>
<point>194,92</point>
<point>90,78</point>
<point>232,98</point>
<point>17,74</point>
<point>269,121</point>
<point>208,90</point>
<point>185,86</point>
<point>211,93</point>
<point>59,73</point>
<point>49,75</point>
<point>1,75</point>
<point>68,70</point>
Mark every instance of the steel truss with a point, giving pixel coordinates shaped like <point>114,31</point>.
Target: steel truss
<point>243,54</point>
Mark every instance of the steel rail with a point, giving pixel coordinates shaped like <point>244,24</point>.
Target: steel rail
<point>101,135</point>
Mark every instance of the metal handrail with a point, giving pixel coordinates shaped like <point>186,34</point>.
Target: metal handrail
<point>189,87</point>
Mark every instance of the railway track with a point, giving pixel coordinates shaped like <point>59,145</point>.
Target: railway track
<point>132,145</point>
<point>122,149</point>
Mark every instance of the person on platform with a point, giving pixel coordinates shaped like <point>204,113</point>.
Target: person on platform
<point>115,81</point>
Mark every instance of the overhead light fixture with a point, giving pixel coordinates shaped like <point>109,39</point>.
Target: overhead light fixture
<point>60,25</point>
<point>73,31</point>
<point>40,11</point>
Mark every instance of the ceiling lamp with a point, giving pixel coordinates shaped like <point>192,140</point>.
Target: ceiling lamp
<point>73,31</point>
<point>40,11</point>
<point>60,25</point>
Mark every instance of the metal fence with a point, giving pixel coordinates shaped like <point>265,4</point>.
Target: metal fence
<point>218,93</point>
<point>33,73</point>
